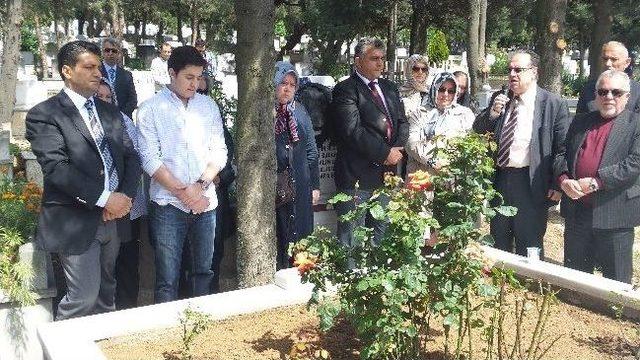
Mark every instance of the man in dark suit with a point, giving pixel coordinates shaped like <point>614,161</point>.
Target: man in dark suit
<point>599,172</point>
<point>91,172</point>
<point>529,125</point>
<point>615,56</point>
<point>120,79</point>
<point>371,130</point>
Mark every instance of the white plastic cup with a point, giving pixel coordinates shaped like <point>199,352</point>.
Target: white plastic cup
<point>533,253</point>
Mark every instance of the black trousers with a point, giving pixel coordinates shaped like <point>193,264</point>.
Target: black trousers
<point>527,228</point>
<point>585,248</point>
<point>127,275</point>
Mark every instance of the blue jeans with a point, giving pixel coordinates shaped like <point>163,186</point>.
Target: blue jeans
<point>346,229</point>
<point>169,228</point>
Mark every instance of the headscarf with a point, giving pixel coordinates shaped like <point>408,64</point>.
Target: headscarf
<point>411,86</point>
<point>285,119</point>
<point>438,80</point>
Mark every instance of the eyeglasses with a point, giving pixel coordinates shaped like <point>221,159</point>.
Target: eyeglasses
<point>518,70</point>
<point>450,91</point>
<point>615,92</point>
<point>420,69</point>
<point>110,50</point>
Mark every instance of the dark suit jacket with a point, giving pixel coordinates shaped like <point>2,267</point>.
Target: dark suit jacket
<point>587,96</point>
<point>124,88</point>
<point>360,130</point>
<point>550,123</point>
<point>617,204</point>
<point>74,173</point>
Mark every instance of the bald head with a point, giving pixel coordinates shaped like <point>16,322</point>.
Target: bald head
<point>615,56</point>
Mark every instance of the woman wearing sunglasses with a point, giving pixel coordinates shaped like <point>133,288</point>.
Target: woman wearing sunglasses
<point>415,90</point>
<point>440,119</point>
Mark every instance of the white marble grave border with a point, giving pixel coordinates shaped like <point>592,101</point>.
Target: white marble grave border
<point>75,339</point>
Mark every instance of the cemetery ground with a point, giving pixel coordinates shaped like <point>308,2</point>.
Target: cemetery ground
<point>273,334</point>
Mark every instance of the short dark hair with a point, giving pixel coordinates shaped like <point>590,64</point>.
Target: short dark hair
<point>535,58</point>
<point>183,56</point>
<point>199,42</point>
<point>69,53</point>
<point>365,43</point>
<point>460,73</point>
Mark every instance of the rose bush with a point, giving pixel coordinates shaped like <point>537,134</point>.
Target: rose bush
<point>393,292</point>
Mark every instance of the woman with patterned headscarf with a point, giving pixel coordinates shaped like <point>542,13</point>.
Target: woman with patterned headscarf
<point>415,90</point>
<point>442,117</point>
<point>296,151</point>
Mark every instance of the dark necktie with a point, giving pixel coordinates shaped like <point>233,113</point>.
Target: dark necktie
<point>378,99</point>
<point>508,133</point>
<point>103,146</point>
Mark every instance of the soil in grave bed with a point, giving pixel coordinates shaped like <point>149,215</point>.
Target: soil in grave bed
<point>271,334</point>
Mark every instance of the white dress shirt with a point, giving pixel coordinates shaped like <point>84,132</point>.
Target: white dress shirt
<point>160,72</point>
<point>185,139</point>
<point>79,101</point>
<point>519,151</point>
<point>367,81</point>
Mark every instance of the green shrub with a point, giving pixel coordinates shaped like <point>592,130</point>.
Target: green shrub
<point>501,65</point>
<point>136,64</point>
<point>572,84</point>
<point>29,41</point>
<point>437,48</point>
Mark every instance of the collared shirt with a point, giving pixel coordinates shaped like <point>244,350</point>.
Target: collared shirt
<point>185,139</point>
<point>79,101</point>
<point>160,72</point>
<point>367,81</point>
<point>519,155</point>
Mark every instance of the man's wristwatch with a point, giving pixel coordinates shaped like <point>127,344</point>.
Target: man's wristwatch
<point>205,184</point>
<point>593,185</point>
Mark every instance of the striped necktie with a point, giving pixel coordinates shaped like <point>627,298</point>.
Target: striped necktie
<point>112,76</point>
<point>508,133</point>
<point>103,146</point>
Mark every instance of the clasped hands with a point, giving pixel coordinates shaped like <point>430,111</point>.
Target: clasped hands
<point>575,189</point>
<point>117,206</point>
<point>192,196</point>
<point>394,156</point>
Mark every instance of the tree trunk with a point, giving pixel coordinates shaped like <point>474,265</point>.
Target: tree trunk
<point>255,152</point>
<point>482,29</point>
<point>10,59</point>
<point>57,33</point>
<point>160,34</point>
<point>299,29</point>
<point>473,53</point>
<point>179,30</point>
<point>581,69</point>
<point>391,41</point>
<point>42,52</point>
<point>550,43</point>
<point>195,23</point>
<point>116,26</point>
<point>418,38</point>
<point>600,35</point>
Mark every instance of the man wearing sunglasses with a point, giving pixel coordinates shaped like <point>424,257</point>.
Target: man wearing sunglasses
<point>529,125</point>
<point>614,56</point>
<point>121,80</point>
<point>599,174</point>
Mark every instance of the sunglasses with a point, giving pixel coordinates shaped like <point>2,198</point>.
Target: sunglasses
<point>420,69</point>
<point>615,92</point>
<point>518,70</point>
<point>450,91</point>
<point>110,50</point>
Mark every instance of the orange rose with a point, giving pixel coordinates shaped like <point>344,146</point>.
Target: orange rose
<point>304,262</point>
<point>419,181</point>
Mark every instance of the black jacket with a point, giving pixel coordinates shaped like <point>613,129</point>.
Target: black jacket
<point>74,173</point>
<point>125,90</point>
<point>617,204</point>
<point>360,130</point>
<point>550,123</point>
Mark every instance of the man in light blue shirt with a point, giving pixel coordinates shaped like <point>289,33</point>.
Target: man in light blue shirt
<point>182,148</point>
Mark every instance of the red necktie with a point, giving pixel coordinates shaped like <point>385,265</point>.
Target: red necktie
<point>378,99</point>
